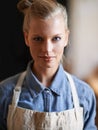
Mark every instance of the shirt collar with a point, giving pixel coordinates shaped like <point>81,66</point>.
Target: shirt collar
<point>59,80</point>
<point>35,86</point>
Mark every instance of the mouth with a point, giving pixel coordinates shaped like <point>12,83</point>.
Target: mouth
<point>47,58</point>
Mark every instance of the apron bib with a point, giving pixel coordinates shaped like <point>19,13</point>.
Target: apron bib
<point>25,119</point>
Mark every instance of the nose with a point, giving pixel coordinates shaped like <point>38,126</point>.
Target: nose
<point>47,46</point>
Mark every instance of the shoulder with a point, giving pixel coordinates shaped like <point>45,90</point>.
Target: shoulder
<point>82,87</point>
<point>9,83</point>
<point>85,93</point>
<point>86,96</point>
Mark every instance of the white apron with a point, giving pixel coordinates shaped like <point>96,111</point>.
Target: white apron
<point>25,119</point>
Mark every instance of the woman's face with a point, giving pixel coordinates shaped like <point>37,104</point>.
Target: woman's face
<point>46,40</point>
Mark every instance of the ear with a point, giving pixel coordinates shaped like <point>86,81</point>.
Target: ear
<point>26,38</point>
<point>66,37</point>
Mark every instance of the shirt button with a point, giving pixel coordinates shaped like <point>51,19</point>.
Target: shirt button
<point>47,90</point>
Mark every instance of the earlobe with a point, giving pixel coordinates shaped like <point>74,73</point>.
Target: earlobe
<point>26,38</point>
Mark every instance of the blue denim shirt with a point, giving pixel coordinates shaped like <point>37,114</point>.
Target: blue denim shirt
<point>57,97</point>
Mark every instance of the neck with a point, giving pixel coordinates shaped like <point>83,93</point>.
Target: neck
<point>45,76</point>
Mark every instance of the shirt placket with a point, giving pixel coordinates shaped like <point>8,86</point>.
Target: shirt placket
<point>47,100</point>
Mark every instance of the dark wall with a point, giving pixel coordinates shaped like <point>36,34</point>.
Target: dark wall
<point>14,54</point>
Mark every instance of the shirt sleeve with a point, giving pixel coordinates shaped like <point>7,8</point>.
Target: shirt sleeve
<point>2,109</point>
<point>90,112</point>
<point>87,100</point>
<point>5,100</point>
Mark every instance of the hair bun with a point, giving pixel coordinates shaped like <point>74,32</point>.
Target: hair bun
<point>24,4</point>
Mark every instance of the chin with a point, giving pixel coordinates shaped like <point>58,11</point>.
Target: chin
<point>51,66</point>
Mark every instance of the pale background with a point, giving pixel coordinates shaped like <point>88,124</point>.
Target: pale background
<point>84,36</point>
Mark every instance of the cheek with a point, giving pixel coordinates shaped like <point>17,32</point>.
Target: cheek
<point>32,51</point>
<point>33,48</point>
<point>59,50</point>
<point>60,47</point>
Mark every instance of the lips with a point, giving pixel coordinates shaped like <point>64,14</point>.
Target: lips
<point>47,58</point>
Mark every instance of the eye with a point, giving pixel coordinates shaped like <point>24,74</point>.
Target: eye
<point>38,39</point>
<point>56,38</point>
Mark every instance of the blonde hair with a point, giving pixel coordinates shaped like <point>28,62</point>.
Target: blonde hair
<point>42,9</point>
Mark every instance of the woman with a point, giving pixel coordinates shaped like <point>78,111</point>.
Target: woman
<point>45,97</point>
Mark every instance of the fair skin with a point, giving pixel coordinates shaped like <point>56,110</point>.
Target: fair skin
<point>46,40</point>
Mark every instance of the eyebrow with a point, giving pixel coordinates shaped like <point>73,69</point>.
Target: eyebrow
<point>40,35</point>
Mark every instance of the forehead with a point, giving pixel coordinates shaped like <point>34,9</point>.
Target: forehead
<point>51,23</point>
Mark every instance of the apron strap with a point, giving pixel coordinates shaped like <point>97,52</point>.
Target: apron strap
<point>75,96</point>
<point>73,90</point>
<point>17,89</point>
